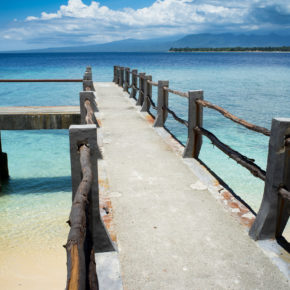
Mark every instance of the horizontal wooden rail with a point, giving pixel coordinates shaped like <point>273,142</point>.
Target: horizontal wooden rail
<point>235,155</point>
<point>181,94</point>
<point>181,121</point>
<point>235,119</point>
<point>284,193</point>
<point>152,83</point>
<point>43,81</point>
<point>75,247</point>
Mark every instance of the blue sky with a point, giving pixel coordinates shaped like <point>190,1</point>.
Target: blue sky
<point>26,24</point>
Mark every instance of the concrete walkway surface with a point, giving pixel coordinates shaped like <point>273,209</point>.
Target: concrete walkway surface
<point>170,235</point>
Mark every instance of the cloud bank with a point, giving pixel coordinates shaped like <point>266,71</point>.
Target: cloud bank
<point>77,23</point>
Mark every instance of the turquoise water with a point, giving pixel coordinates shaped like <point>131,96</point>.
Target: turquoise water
<point>253,86</point>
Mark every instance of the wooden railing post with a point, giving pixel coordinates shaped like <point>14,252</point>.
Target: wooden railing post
<point>147,92</point>
<point>161,101</point>
<point>89,69</point>
<point>141,89</point>
<point>121,77</point>
<point>195,117</point>
<point>79,135</point>
<point>84,96</point>
<point>134,84</point>
<point>127,79</point>
<point>274,210</point>
<point>4,173</point>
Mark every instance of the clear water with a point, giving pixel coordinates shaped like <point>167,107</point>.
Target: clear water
<point>254,86</point>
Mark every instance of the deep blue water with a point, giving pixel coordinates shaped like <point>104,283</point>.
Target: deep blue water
<point>253,86</point>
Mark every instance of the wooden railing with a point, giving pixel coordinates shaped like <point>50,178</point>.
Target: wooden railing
<point>86,80</point>
<point>275,207</point>
<point>87,235</point>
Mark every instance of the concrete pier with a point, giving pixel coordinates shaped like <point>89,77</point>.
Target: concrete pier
<point>37,118</point>
<point>171,231</point>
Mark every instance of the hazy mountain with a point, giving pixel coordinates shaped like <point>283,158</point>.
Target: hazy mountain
<point>164,44</point>
<point>231,40</point>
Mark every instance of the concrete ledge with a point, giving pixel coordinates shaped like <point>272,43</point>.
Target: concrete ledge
<point>37,118</point>
<point>108,271</point>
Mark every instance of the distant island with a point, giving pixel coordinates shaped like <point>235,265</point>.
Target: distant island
<point>232,49</point>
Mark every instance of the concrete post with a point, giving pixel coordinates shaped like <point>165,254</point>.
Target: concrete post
<point>274,211</point>
<point>134,84</point>
<point>92,98</point>
<point>4,173</point>
<point>88,76</point>
<point>127,79</point>
<point>195,117</point>
<point>88,85</point>
<point>141,89</point>
<point>161,101</point>
<point>147,92</point>
<point>121,77</point>
<point>115,80</point>
<point>79,135</point>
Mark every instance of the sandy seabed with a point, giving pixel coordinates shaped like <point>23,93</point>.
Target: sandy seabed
<point>26,268</point>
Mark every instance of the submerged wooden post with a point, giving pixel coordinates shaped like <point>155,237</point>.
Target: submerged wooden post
<point>195,117</point>
<point>161,101</point>
<point>127,79</point>
<point>116,74</point>
<point>121,77</point>
<point>141,89</point>
<point>4,173</point>
<point>147,94</point>
<point>134,84</point>
<point>79,135</point>
<point>274,211</point>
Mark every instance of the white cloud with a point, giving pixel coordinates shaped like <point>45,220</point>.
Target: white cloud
<point>77,22</point>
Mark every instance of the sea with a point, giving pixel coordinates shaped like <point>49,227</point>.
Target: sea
<point>35,203</point>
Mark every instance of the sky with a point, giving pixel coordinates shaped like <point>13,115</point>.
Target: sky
<point>29,24</point>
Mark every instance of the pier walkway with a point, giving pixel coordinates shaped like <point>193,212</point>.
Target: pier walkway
<point>172,233</point>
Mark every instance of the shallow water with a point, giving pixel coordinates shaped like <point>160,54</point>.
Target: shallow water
<point>36,201</point>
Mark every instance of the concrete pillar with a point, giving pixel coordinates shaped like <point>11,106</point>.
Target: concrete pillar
<point>88,76</point>
<point>147,92</point>
<point>127,79</point>
<point>195,117</point>
<point>141,89</point>
<point>274,211</point>
<point>134,84</point>
<point>161,101</point>
<point>115,79</point>
<point>4,173</point>
<point>92,98</point>
<point>88,85</point>
<point>121,77</point>
<point>79,135</point>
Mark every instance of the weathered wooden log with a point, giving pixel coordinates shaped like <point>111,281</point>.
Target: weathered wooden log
<point>235,155</point>
<point>178,119</point>
<point>181,94</point>
<point>90,113</point>
<point>42,81</point>
<point>234,118</point>
<point>76,263</point>
<point>152,83</point>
